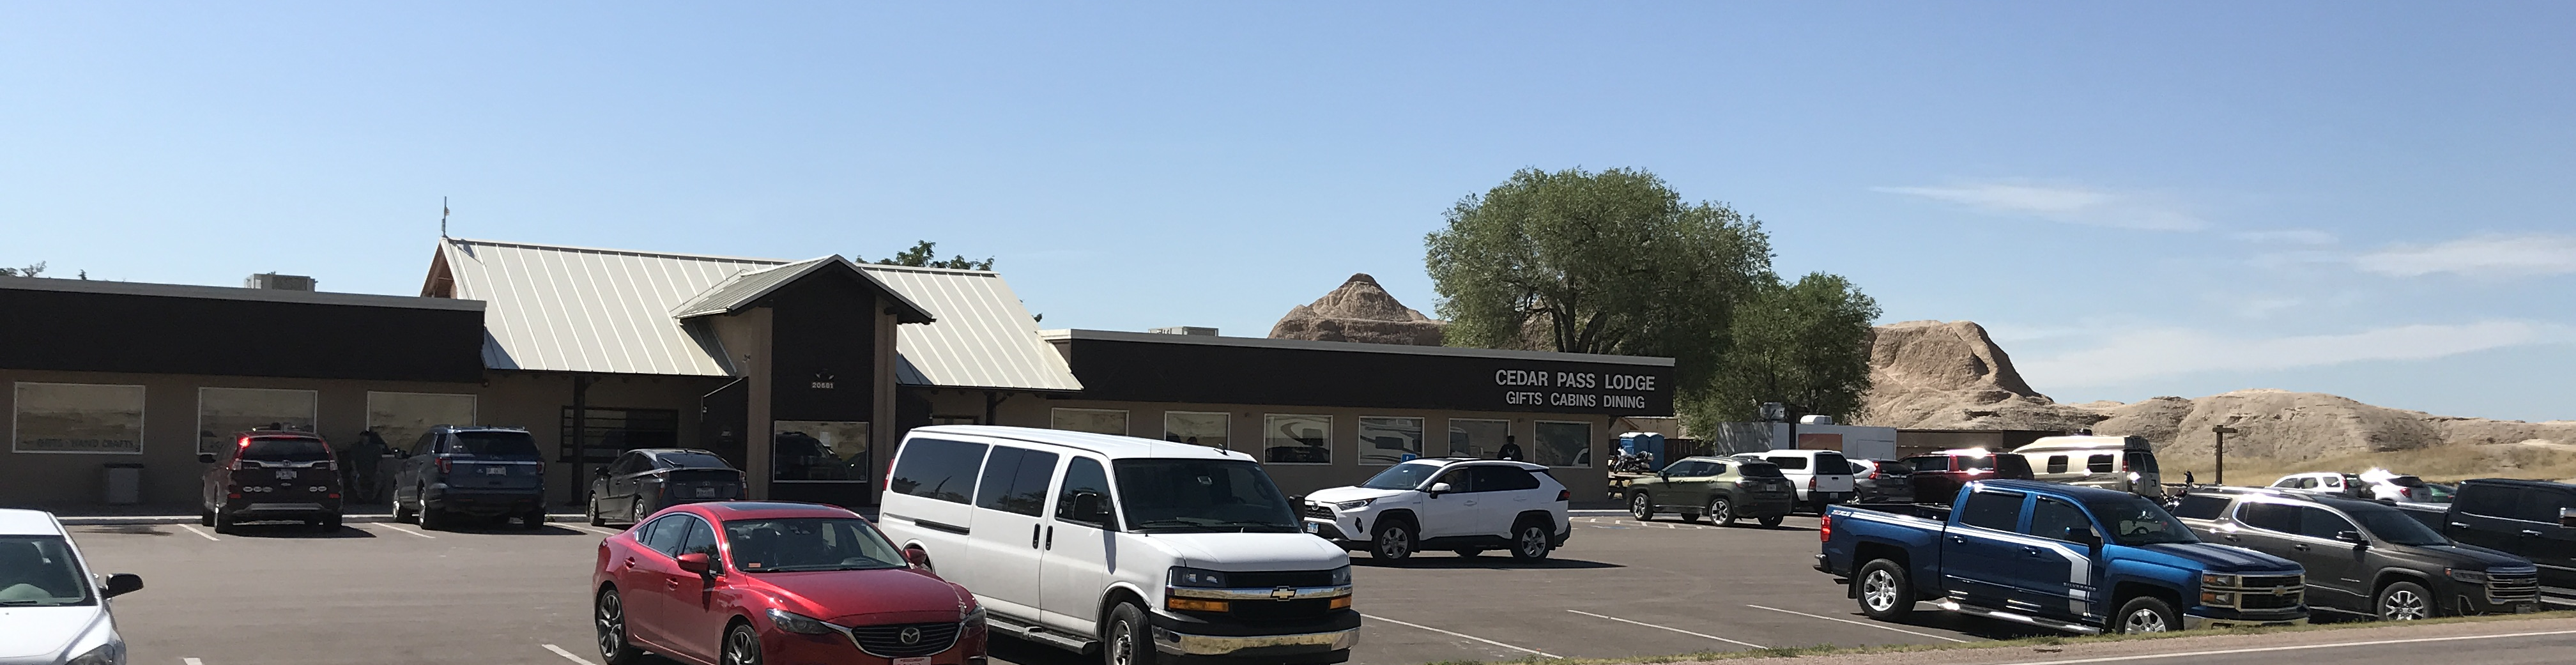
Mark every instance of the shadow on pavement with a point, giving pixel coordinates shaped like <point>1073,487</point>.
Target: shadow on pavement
<point>513,529</point>
<point>1440,561</point>
<point>1014,650</point>
<point>294,530</point>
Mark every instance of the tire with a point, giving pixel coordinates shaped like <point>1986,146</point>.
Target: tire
<point>225,523</point>
<point>1531,541</point>
<point>534,519</point>
<point>1393,542</point>
<point>1772,522</point>
<point>205,517</point>
<point>405,512</point>
<point>741,646</point>
<point>1640,506</point>
<point>1885,590</point>
<point>2146,614</point>
<point>2404,601</point>
<point>1128,641</point>
<point>1721,511</point>
<point>608,619</point>
<point>328,524</point>
<point>433,519</point>
<point>592,511</point>
<point>1470,553</point>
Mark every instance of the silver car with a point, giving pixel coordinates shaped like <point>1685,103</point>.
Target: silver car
<point>52,610</point>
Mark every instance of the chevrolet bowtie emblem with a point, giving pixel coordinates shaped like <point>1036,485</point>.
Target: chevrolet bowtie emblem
<point>1284,593</point>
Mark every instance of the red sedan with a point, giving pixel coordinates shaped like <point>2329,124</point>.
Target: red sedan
<point>744,583</point>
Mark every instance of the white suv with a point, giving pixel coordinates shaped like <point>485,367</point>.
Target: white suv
<point>53,608</point>
<point>1146,550</point>
<point>1464,505</point>
<point>1822,477</point>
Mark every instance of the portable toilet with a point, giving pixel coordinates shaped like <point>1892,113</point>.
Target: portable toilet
<point>1648,443</point>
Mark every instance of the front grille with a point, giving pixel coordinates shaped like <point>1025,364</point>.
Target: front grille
<point>2513,589</point>
<point>1319,510</point>
<point>1281,610</point>
<point>1279,578</point>
<point>887,641</point>
<point>2269,581</point>
<point>2266,602</point>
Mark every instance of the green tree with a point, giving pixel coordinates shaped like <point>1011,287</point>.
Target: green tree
<point>1609,262</point>
<point>38,269</point>
<point>921,256</point>
<point>1805,344</point>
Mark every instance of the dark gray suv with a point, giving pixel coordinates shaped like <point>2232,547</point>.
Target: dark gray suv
<point>455,472</point>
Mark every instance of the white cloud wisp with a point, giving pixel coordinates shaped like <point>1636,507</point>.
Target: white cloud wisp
<point>2482,256</point>
<point>2072,205</point>
<point>2163,352</point>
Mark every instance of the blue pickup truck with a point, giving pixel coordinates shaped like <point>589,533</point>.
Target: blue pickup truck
<point>2037,553</point>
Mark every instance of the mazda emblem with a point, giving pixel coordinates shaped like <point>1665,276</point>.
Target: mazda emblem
<point>908,636</point>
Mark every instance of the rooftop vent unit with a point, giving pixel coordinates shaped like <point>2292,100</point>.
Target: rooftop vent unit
<point>270,280</point>
<point>1184,330</point>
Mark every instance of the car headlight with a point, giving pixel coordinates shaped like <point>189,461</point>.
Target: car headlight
<point>105,654</point>
<point>974,617</point>
<point>2469,576</point>
<point>2213,579</point>
<point>798,623</point>
<point>1209,579</point>
<point>1342,576</point>
<point>1354,505</point>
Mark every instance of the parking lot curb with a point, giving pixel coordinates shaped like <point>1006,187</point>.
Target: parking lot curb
<point>191,519</point>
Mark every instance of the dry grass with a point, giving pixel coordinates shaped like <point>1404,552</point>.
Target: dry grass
<point>2040,641</point>
<point>2438,464</point>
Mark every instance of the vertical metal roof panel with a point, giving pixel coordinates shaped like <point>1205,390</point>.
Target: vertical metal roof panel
<point>984,337</point>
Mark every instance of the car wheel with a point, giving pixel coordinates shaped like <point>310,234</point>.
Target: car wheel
<point>592,511</point>
<point>1721,511</point>
<point>205,517</point>
<point>742,646</point>
<point>1772,521</point>
<point>433,519</point>
<point>225,523</point>
<point>1640,506</point>
<point>534,519</point>
<point>1127,643</point>
<point>1530,541</point>
<point>1886,592</point>
<point>328,524</point>
<point>1393,540</point>
<point>609,615</point>
<point>2146,614</point>
<point>403,512</point>
<point>2404,601</point>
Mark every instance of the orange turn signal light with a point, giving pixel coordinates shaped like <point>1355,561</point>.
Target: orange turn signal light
<point>1194,604</point>
<point>1343,602</point>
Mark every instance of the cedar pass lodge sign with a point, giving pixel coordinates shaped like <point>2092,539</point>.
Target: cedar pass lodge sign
<point>1597,390</point>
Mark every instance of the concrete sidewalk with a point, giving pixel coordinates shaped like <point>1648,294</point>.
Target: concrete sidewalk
<point>86,515</point>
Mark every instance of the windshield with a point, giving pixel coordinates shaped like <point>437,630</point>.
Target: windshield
<point>2137,521</point>
<point>39,571</point>
<point>808,543</point>
<point>496,445</point>
<point>1762,471</point>
<point>2393,526</point>
<point>1401,477</point>
<point>285,449</point>
<point>1201,494</point>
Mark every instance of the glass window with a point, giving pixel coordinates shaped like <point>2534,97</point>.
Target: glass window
<point>1832,463</point>
<point>1201,495</point>
<point>222,412</point>
<point>1082,476</point>
<point>701,539</point>
<point>937,469</point>
<point>2010,466</point>
<point>1015,481</point>
<point>808,543</point>
<point>1460,481</point>
<point>2051,518</point>
<point>1508,479</point>
<point>78,418</point>
<point>1992,510</point>
<point>2134,521</point>
<point>1790,462</point>
<point>1096,421</point>
<point>285,449</point>
<point>1713,469</point>
<point>1929,463</point>
<point>2317,522</point>
<point>2485,500</point>
<point>2396,526</point>
<point>1389,440</point>
<point>1762,471</point>
<point>819,451</point>
<point>1197,428</point>
<point>2268,517</point>
<point>1563,444</point>
<point>1296,439</point>
<point>38,571</point>
<point>694,461</point>
<point>664,535</point>
<point>628,463</point>
<point>2102,463</point>
<point>2057,464</point>
<point>1478,438</point>
<point>496,445</point>
<point>2543,506</point>
<point>406,416</point>
<point>2201,506</point>
<point>1401,476</point>
<point>2141,461</point>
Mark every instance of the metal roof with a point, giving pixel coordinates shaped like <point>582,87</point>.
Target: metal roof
<point>578,309</point>
<point>234,293</point>
<point>745,288</point>
<point>1348,347</point>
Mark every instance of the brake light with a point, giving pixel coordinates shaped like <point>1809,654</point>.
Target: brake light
<point>445,466</point>
<point>1811,482</point>
<point>1565,495</point>
<point>1825,527</point>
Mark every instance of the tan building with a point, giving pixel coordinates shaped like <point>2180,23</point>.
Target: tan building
<point>803,373</point>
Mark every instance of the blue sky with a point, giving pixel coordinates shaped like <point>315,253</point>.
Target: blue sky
<point>2369,199</point>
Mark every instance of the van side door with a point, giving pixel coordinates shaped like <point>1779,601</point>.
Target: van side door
<point>1078,547</point>
<point>1007,547</point>
<point>929,502</point>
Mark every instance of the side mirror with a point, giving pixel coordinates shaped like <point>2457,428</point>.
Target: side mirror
<point>1438,489</point>
<point>697,562</point>
<point>120,584</point>
<point>2567,518</point>
<point>600,471</point>
<point>205,458</point>
<point>918,559</point>
<point>2351,537</point>
<point>1088,507</point>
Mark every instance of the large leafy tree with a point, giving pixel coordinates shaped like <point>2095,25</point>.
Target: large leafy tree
<point>1805,344</point>
<point>1608,262</point>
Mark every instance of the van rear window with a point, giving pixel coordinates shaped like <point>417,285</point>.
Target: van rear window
<point>285,449</point>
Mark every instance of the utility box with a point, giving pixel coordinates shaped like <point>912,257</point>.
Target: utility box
<point>124,484</point>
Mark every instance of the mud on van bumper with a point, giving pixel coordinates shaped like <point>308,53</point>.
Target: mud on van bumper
<point>1306,642</point>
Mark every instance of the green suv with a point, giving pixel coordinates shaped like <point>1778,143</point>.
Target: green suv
<point>1723,488</point>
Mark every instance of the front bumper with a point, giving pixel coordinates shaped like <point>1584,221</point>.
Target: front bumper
<point>283,510</point>
<point>1309,642</point>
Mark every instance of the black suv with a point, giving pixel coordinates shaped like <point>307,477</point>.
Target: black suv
<point>2530,518</point>
<point>2364,557</point>
<point>491,473</point>
<point>646,480</point>
<point>271,475</point>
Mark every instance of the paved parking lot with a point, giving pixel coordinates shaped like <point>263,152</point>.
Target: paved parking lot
<point>392,594</point>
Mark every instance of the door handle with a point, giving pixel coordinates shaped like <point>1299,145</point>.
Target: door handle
<point>1959,540</point>
<point>671,584</point>
<point>1050,541</point>
<point>2459,525</point>
<point>2527,533</point>
<point>2299,546</point>
<point>2229,538</point>
<point>1033,536</point>
<point>630,563</point>
<point>2033,552</point>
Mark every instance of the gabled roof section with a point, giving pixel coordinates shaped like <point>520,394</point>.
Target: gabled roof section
<point>984,338</point>
<point>744,289</point>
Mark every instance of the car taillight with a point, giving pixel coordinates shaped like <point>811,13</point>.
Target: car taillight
<point>1811,482</point>
<point>1565,495</point>
<point>1825,527</point>
<point>444,466</point>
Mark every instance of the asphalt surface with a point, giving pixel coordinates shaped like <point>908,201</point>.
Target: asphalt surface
<point>393,594</point>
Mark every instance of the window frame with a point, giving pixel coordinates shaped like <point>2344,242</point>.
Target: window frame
<point>1126,419</point>
<point>215,443</point>
<point>1226,429</point>
<point>2019,514</point>
<point>1585,453</point>
<point>1451,425</point>
<point>2032,518</point>
<point>1421,442</point>
<point>18,411</point>
<point>1331,425</point>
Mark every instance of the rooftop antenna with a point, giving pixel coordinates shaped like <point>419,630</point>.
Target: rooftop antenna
<point>442,217</point>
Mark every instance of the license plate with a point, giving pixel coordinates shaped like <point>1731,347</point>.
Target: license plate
<point>924,660</point>
<point>285,474</point>
<point>496,471</point>
<point>702,493</point>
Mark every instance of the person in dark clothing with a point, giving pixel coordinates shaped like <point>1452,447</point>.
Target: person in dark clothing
<point>363,458</point>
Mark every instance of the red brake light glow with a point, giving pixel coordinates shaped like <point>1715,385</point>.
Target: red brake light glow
<point>1825,527</point>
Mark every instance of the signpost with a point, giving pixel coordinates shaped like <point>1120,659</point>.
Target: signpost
<point>2222,431</point>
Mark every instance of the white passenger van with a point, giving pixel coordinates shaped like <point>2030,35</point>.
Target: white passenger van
<point>1140,550</point>
<point>2124,463</point>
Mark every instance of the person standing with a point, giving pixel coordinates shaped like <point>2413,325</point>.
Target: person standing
<point>364,457</point>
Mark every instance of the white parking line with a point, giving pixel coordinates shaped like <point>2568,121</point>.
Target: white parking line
<point>559,651</point>
<point>2302,647</point>
<point>403,529</point>
<point>1541,654</point>
<point>191,661</point>
<point>1858,623</point>
<point>207,536</point>
<point>1677,630</point>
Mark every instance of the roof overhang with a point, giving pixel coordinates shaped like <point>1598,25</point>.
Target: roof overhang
<point>745,290</point>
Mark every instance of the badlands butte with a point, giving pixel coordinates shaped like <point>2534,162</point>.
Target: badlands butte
<point>1951,375</point>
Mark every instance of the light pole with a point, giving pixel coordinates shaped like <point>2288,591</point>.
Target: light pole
<point>2222,431</point>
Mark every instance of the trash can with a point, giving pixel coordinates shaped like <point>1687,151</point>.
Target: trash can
<point>124,484</point>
